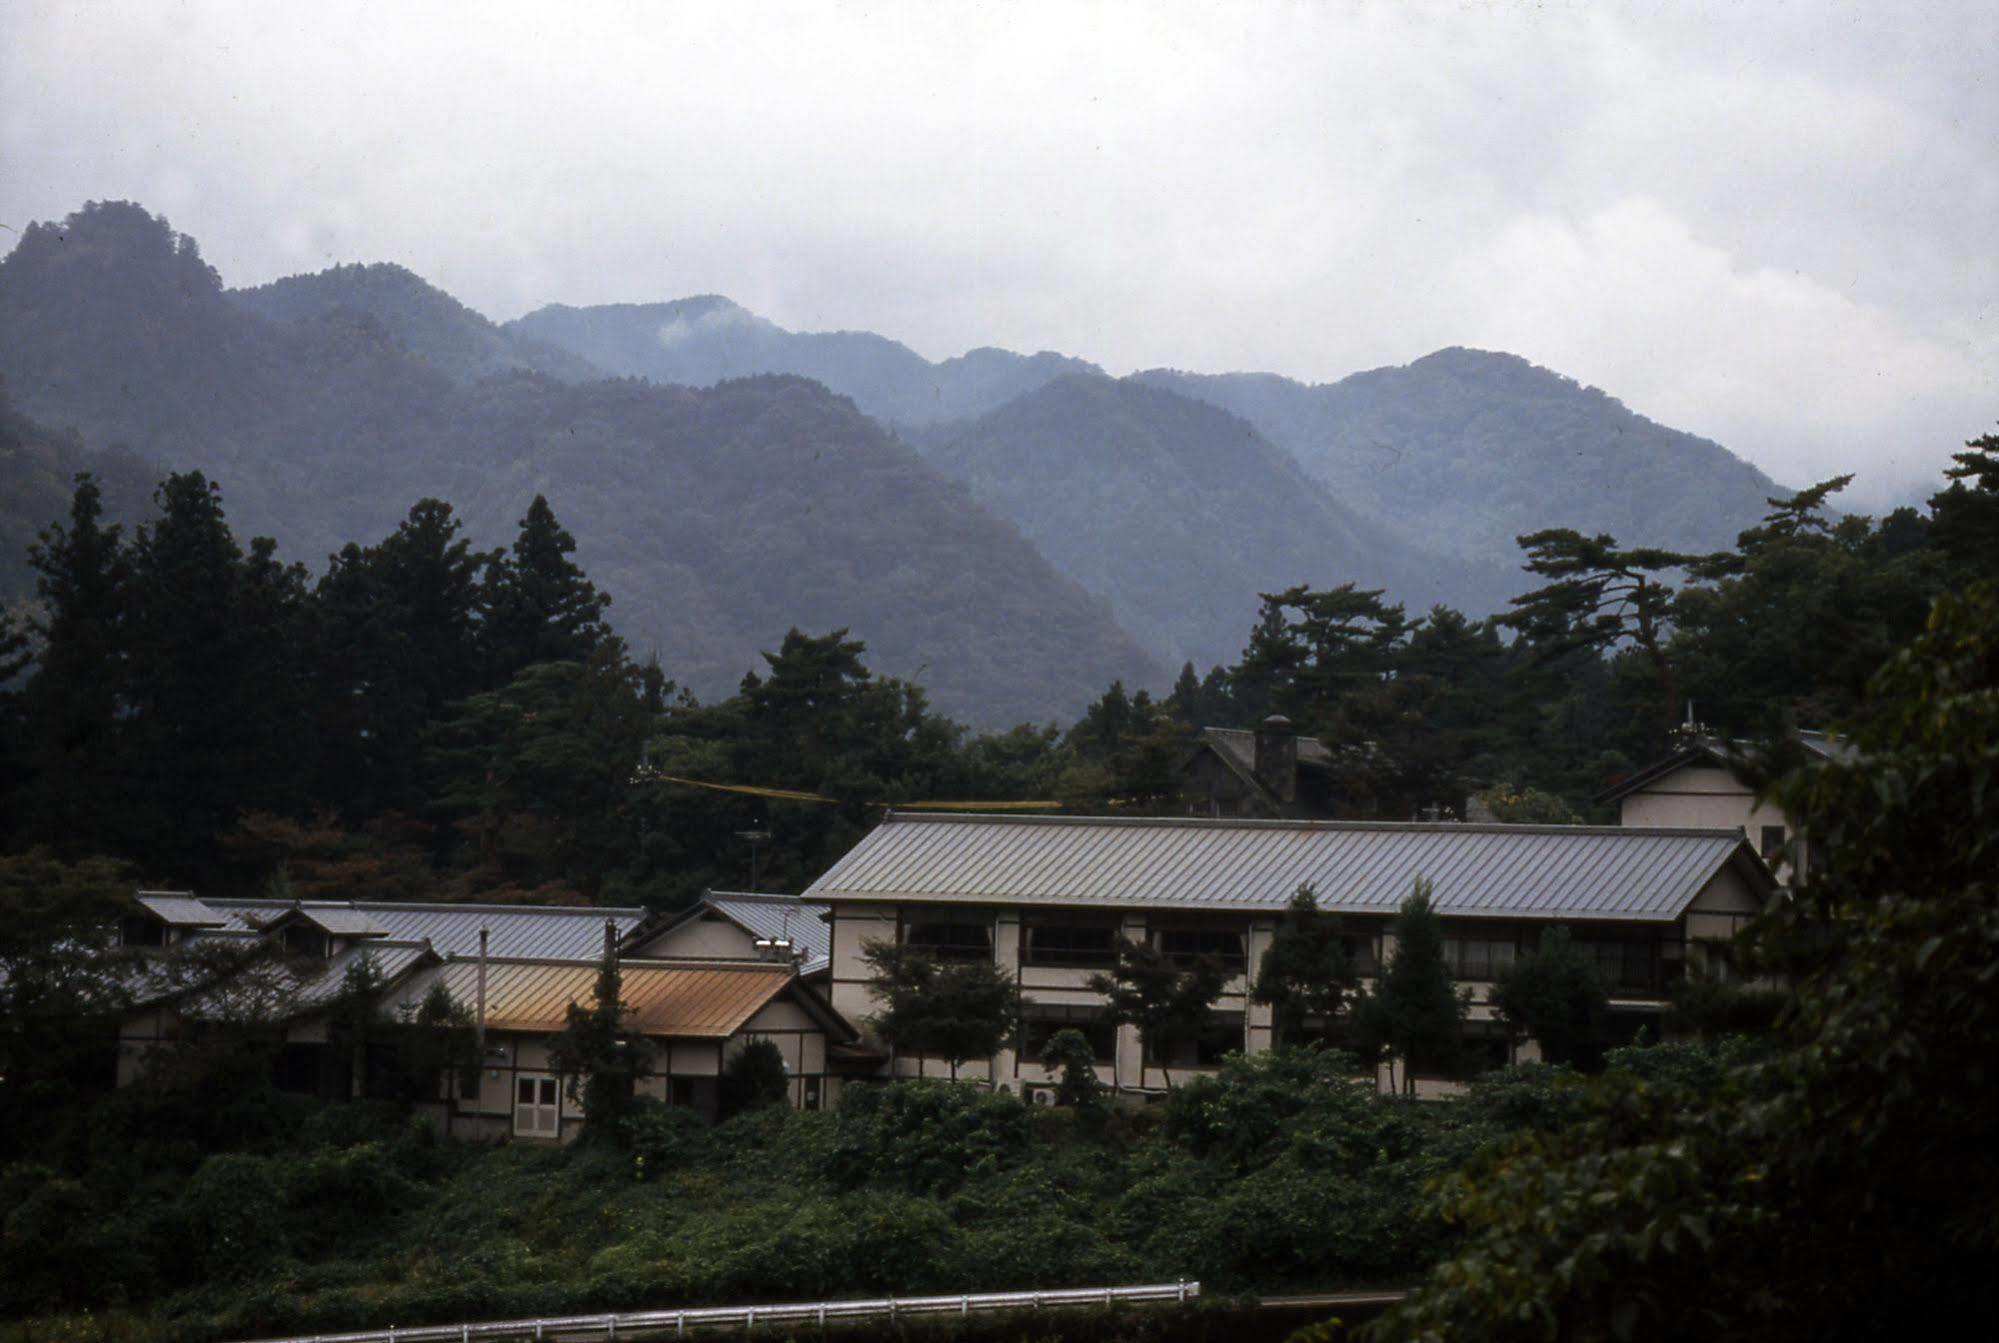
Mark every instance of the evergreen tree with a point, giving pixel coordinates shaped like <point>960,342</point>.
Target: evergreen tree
<point>74,736</point>
<point>540,773</point>
<point>193,719</point>
<point>1414,1013</point>
<point>1965,515</point>
<point>599,1056</point>
<point>1306,972</point>
<point>399,640</point>
<point>540,606</point>
<point>1603,595</point>
<point>1311,648</point>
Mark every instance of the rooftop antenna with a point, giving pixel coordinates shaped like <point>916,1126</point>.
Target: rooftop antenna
<point>756,838</point>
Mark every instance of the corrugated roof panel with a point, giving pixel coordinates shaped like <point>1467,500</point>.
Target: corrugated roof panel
<point>549,931</point>
<point>1571,872</point>
<point>181,909</point>
<point>682,999</point>
<point>781,916</point>
<point>343,920</point>
<point>391,960</point>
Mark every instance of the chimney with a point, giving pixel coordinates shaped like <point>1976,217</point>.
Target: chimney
<point>1277,757</point>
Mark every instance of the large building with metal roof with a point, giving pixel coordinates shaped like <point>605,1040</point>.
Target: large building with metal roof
<point>1048,896</point>
<point>511,971</point>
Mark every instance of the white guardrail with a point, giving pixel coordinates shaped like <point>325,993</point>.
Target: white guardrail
<point>651,1323</point>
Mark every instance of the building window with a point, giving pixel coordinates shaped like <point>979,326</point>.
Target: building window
<point>1091,945</point>
<point>1773,843</point>
<point>537,1106</point>
<point>1480,957</point>
<point>1046,1020</point>
<point>1630,966</point>
<point>949,941</point>
<point>1188,945</point>
<point>139,931</point>
<point>1363,952</point>
<point>1205,1048</point>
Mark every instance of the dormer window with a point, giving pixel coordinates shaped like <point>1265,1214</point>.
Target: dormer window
<point>302,939</point>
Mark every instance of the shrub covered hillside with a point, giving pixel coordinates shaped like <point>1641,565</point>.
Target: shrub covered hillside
<point>171,1219</point>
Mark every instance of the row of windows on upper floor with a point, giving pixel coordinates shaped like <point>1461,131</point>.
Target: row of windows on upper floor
<point>1621,962</point>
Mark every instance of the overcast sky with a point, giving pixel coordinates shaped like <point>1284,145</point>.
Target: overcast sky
<point>1772,224</point>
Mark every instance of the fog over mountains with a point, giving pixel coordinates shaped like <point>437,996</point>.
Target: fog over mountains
<point>1012,530</point>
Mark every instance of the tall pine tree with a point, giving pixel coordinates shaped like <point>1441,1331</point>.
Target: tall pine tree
<point>73,731</point>
<point>540,606</point>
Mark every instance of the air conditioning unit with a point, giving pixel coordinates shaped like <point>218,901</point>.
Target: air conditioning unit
<point>1038,1095</point>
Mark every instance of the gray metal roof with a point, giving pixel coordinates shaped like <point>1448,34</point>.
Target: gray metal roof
<point>180,909</point>
<point>780,916</point>
<point>391,961</point>
<point>562,932</point>
<point>342,920</point>
<point>1483,871</point>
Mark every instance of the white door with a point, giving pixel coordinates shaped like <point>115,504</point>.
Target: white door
<point>537,1109</point>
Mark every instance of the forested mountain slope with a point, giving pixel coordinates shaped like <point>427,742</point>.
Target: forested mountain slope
<point>1466,449</point>
<point>427,320</point>
<point>1453,455</point>
<point>702,340</point>
<point>719,517</point>
<point>1178,512</point>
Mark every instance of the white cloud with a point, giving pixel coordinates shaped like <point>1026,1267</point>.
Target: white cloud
<point>1770,224</point>
<point>1792,372</point>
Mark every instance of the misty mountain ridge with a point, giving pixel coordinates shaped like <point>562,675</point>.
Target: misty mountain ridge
<point>1175,510</point>
<point>1175,497</point>
<point>429,322</point>
<point>1454,455</point>
<point>706,339</point>
<point>716,517</point>
<point>1466,449</point>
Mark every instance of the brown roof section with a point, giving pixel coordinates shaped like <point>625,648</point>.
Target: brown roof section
<point>684,1000</point>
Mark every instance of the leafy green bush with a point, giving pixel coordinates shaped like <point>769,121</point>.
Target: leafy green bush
<point>926,1136</point>
<point>60,1246</point>
<point>661,1138</point>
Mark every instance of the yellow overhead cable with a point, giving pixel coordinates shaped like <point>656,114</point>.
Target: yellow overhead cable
<point>1044,805</point>
<point>793,795</point>
<point>787,794</point>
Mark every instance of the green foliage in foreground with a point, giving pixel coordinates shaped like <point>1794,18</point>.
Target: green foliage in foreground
<point>1845,1184</point>
<point>1279,1172</point>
